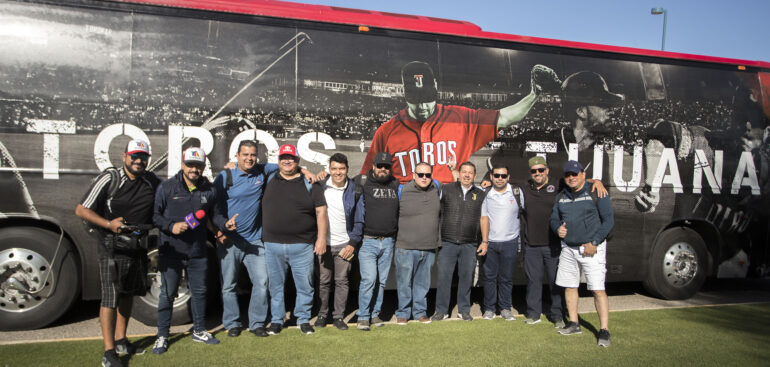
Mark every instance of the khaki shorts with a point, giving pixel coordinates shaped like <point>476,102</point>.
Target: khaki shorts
<point>572,262</point>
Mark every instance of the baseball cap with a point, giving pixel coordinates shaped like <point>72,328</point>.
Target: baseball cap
<point>194,155</point>
<point>419,82</point>
<point>287,149</point>
<point>589,89</point>
<point>573,166</point>
<point>138,146</point>
<point>383,158</point>
<point>534,161</point>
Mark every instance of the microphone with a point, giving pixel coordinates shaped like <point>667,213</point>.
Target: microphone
<point>191,220</point>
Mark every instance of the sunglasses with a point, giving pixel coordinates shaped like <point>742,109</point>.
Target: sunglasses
<point>143,156</point>
<point>500,175</point>
<point>383,166</point>
<point>423,175</point>
<point>570,174</point>
<point>536,170</point>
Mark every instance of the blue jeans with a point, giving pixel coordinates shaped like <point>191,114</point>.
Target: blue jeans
<point>413,281</point>
<point>498,274</point>
<point>298,256</point>
<point>170,274</point>
<point>536,260</point>
<point>464,255</point>
<point>252,256</point>
<point>374,260</point>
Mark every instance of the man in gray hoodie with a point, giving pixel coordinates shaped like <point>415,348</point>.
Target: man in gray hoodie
<point>416,244</point>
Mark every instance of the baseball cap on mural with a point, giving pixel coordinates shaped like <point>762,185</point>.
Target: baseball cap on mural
<point>589,88</point>
<point>383,158</point>
<point>138,146</point>
<point>419,82</point>
<point>194,155</point>
<point>573,167</point>
<point>287,149</point>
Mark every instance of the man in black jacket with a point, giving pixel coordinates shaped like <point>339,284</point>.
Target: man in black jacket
<point>183,205</point>
<point>460,215</point>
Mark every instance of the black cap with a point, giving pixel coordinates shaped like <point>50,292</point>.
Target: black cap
<point>586,88</point>
<point>419,82</point>
<point>383,158</point>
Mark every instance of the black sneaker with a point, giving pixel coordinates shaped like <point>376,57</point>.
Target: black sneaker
<point>604,338</point>
<point>571,329</point>
<point>466,316</point>
<point>274,329</point>
<point>340,324</point>
<point>234,331</point>
<point>439,317</point>
<point>306,328</point>
<point>320,321</point>
<point>123,346</point>
<point>110,359</point>
<point>260,332</point>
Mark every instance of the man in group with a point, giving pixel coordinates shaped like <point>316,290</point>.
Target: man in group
<point>183,206</point>
<point>380,224</point>
<point>295,226</point>
<point>343,236</point>
<point>434,133</point>
<point>416,244</point>
<point>460,225</point>
<point>500,225</point>
<point>583,226</point>
<point>122,266</point>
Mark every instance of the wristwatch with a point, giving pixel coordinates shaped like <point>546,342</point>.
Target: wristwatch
<point>595,243</point>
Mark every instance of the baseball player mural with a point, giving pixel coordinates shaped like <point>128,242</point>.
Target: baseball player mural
<point>426,131</point>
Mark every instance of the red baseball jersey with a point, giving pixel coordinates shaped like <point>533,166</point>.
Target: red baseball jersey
<point>452,131</point>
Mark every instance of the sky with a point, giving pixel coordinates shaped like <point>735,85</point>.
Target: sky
<point>732,29</point>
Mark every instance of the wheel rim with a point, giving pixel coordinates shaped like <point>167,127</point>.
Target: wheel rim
<point>22,273</point>
<point>154,282</point>
<point>680,265</point>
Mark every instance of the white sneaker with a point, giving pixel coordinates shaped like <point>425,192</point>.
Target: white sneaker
<point>488,315</point>
<point>507,315</point>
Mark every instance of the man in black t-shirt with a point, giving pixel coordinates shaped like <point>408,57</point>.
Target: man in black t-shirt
<point>122,250</point>
<point>294,226</point>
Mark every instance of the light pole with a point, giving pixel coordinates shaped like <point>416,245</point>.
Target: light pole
<point>657,11</point>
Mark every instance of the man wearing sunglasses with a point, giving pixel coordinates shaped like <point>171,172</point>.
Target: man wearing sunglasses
<point>583,226</point>
<point>122,268</point>
<point>416,244</point>
<point>500,213</point>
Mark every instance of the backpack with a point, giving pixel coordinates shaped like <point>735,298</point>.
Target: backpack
<point>114,174</point>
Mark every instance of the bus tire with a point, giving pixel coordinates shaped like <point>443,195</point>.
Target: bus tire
<point>25,260</point>
<point>678,264</point>
<point>145,308</point>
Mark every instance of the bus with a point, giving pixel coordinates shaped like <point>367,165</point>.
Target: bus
<point>681,141</point>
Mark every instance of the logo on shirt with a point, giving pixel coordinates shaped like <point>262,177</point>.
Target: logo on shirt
<point>204,200</point>
<point>473,197</point>
<point>550,188</point>
<point>384,193</point>
<point>259,181</point>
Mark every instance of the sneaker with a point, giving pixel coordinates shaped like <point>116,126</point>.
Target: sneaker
<point>532,321</point>
<point>123,346</point>
<point>363,325</point>
<point>425,319</point>
<point>110,359</point>
<point>274,329</point>
<point>340,324</point>
<point>507,315</point>
<point>401,321</point>
<point>204,337</point>
<point>439,317</point>
<point>488,315</point>
<point>466,316</point>
<point>320,321</point>
<point>306,328</point>
<point>260,332</point>
<point>571,329</point>
<point>377,321</point>
<point>161,345</point>
<point>559,324</point>
<point>234,331</point>
<point>604,338</point>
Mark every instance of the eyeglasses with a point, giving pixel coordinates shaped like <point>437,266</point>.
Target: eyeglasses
<point>383,166</point>
<point>423,175</point>
<point>570,174</point>
<point>143,156</point>
<point>536,170</point>
<point>500,175</point>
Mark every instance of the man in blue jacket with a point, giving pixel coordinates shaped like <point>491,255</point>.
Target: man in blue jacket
<point>343,237</point>
<point>583,223</point>
<point>183,205</point>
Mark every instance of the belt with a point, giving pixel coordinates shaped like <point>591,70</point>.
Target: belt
<point>380,238</point>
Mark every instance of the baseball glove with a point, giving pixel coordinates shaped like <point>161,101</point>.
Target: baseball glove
<point>544,79</point>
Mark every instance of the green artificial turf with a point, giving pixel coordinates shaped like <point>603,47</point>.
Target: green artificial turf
<point>704,336</point>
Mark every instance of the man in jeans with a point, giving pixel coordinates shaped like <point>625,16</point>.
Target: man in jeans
<point>295,225</point>
<point>416,244</point>
<point>460,216</point>
<point>183,205</point>
<point>500,242</point>
<point>380,195</point>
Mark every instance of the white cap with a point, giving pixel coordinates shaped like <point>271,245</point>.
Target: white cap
<point>194,155</point>
<point>138,146</point>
